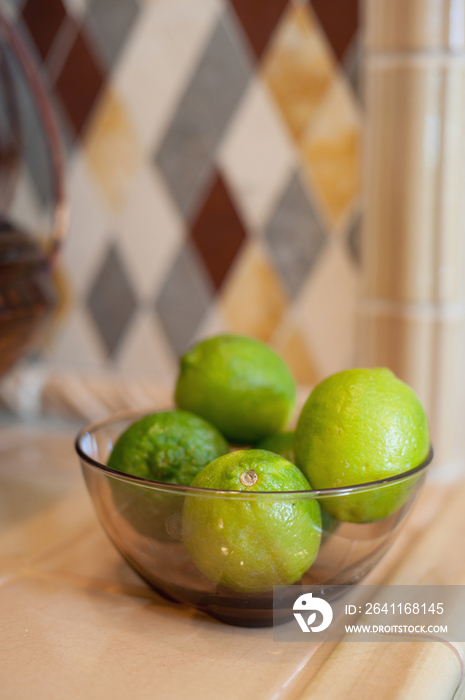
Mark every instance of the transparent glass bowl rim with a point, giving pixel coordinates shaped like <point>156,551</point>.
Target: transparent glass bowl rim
<point>212,493</point>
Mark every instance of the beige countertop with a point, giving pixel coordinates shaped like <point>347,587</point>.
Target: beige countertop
<point>76,622</point>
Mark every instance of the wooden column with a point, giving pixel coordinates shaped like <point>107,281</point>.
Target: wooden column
<point>412,312</point>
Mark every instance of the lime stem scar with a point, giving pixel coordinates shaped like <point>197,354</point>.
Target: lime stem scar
<point>248,478</point>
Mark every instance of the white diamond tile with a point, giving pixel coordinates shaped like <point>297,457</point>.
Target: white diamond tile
<point>149,231</point>
<point>25,209</point>
<point>144,352</point>
<point>10,9</point>
<point>76,8</point>
<point>326,311</point>
<point>256,155</point>
<point>89,229</point>
<point>76,345</point>
<point>159,57</point>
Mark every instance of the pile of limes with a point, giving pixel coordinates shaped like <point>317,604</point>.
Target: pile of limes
<point>357,426</point>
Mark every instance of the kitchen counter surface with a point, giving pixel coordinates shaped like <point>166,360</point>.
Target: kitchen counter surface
<point>76,622</point>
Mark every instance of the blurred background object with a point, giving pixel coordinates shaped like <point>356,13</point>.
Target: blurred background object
<point>26,286</point>
<point>413,305</point>
<point>213,175</point>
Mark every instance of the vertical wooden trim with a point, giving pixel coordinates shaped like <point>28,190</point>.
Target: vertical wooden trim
<point>412,313</point>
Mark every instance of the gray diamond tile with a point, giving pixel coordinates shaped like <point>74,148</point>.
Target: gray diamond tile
<point>353,239</point>
<point>208,103</point>
<point>295,236</point>
<point>185,164</point>
<point>184,299</point>
<point>37,159</point>
<point>218,83</point>
<point>25,35</point>
<point>14,7</point>
<point>34,149</point>
<point>68,137</point>
<point>111,300</point>
<point>352,61</point>
<point>110,21</point>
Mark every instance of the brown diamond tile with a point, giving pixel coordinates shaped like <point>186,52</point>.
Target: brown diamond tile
<point>218,232</point>
<point>339,21</point>
<point>79,82</point>
<point>259,19</point>
<point>43,19</point>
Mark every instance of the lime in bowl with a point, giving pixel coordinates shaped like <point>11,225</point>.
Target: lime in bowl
<point>222,552</point>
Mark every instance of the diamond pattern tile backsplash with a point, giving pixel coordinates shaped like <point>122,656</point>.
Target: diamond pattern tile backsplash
<point>213,157</point>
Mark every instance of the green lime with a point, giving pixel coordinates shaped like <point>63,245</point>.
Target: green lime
<point>358,426</point>
<point>151,513</point>
<point>170,446</point>
<point>251,544</point>
<point>283,444</point>
<point>280,443</point>
<point>238,384</point>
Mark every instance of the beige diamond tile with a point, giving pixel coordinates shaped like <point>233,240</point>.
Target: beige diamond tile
<point>144,352</point>
<point>25,209</point>
<point>76,8</point>
<point>298,67</point>
<point>158,59</point>
<point>89,228</point>
<point>254,299</point>
<point>331,153</point>
<point>64,302</point>
<point>257,156</point>
<point>149,231</point>
<point>326,311</point>
<point>294,350</point>
<point>112,149</point>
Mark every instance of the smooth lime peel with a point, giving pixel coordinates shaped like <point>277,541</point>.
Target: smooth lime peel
<point>251,545</point>
<point>238,384</point>
<point>358,426</point>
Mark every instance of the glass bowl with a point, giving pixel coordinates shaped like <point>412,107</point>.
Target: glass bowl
<point>144,520</point>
